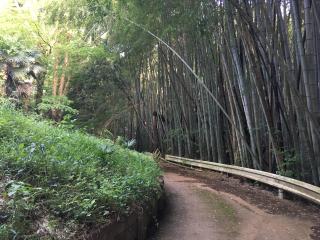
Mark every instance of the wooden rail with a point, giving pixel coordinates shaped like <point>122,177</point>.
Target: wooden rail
<point>299,188</point>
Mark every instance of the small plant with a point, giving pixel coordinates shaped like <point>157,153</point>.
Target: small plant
<point>287,167</point>
<point>58,109</point>
<point>130,144</point>
<point>5,103</point>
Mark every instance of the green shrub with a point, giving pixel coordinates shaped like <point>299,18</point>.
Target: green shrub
<point>65,176</point>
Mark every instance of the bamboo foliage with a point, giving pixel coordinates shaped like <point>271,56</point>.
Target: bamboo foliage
<point>259,60</point>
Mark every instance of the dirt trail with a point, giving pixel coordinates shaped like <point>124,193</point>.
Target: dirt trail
<point>196,211</point>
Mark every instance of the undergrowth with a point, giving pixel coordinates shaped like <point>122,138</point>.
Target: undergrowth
<point>54,182</point>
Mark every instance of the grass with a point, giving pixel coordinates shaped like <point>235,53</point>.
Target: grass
<point>54,182</point>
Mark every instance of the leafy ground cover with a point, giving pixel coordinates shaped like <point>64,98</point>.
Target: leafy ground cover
<point>56,183</point>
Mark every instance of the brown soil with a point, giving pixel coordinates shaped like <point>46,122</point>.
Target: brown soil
<point>208,205</point>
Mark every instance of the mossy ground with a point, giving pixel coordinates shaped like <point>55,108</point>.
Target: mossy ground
<point>224,212</point>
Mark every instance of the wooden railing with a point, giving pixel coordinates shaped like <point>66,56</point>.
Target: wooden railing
<point>299,188</point>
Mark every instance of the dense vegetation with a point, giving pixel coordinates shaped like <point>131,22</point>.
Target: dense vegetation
<point>230,81</point>
<point>249,96</point>
<point>56,183</point>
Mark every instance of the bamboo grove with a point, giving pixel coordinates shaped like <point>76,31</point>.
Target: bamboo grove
<point>259,59</point>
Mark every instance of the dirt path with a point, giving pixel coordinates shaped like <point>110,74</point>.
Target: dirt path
<point>196,211</point>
